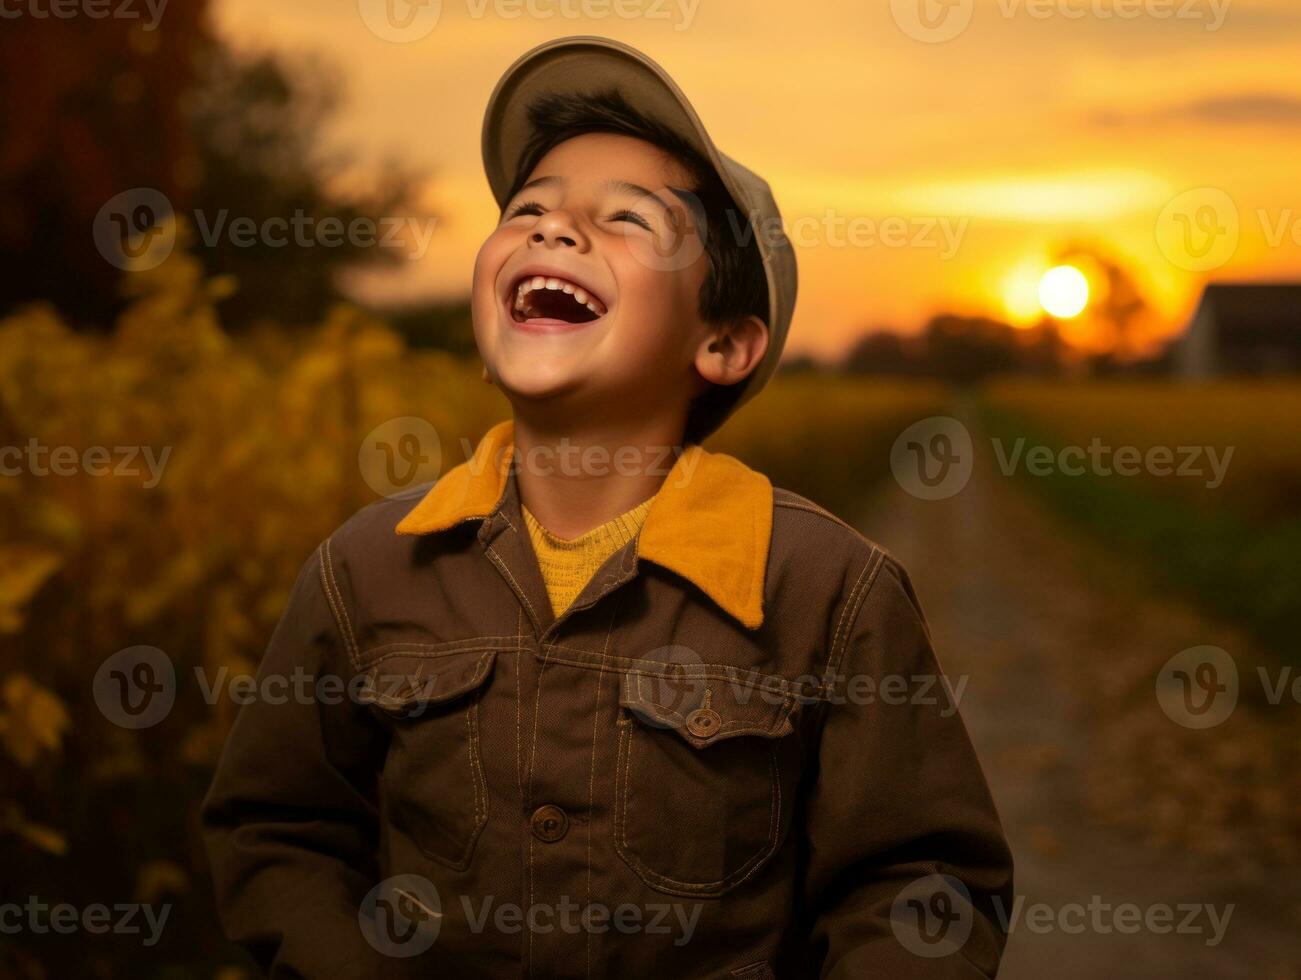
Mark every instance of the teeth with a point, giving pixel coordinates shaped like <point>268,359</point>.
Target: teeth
<point>550,282</point>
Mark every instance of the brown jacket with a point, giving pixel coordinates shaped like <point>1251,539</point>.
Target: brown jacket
<point>729,757</point>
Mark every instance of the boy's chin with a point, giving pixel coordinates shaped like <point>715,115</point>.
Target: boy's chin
<point>526,385</point>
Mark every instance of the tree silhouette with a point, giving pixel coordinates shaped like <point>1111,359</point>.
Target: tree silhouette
<point>1120,307</point>
<point>96,107</point>
<point>93,107</point>
<point>258,121</point>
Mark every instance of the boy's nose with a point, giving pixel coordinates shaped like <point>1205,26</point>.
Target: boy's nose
<point>557,228</point>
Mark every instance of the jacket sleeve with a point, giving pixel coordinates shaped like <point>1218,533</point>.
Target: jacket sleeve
<point>909,874</point>
<point>290,820</point>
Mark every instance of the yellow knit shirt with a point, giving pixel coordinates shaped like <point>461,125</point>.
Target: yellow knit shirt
<point>568,564</point>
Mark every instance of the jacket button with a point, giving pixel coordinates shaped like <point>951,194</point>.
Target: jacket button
<point>704,723</point>
<point>550,823</point>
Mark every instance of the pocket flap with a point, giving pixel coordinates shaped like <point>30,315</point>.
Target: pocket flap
<point>706,709</point>
<point>404,683</point>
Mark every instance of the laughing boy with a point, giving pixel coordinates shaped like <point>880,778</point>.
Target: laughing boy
<point>610,700</point>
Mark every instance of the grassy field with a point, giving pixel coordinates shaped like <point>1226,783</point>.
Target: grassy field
<point>1258,422</point>
<point>1226,530</point>
<point>828,439</point>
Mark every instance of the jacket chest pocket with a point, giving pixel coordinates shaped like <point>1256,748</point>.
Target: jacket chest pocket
<point>433,781</point>
<point>702,787</point>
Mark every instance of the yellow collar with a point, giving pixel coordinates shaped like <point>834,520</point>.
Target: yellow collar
<point>710,522</point>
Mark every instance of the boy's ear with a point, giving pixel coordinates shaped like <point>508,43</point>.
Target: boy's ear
<point>732,350</point>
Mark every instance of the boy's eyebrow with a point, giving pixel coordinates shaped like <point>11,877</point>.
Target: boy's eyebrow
<point>541,180</point>
<point>628,187</point>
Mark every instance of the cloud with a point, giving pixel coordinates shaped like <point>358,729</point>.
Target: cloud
<point>1262,109</point>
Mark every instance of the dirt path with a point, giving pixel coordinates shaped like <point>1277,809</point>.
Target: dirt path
<point>1014,605</point>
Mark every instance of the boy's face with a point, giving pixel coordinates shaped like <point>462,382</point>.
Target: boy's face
<point>581,221</point>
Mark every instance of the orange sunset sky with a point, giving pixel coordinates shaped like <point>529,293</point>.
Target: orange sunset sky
<point>1036,124</point>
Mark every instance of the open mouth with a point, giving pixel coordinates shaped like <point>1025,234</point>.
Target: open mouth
<point>550,299</point>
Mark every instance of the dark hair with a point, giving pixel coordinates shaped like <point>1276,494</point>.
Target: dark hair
<point>735,284</point>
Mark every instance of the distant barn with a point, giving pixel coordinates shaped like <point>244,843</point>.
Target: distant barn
<point>1243,329</point>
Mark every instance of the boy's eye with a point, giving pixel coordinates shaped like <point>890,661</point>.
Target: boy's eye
<point>524,207</point>
<point>534,208</point>
<point>633,216</point>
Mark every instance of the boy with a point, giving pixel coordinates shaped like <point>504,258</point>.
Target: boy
<point>608,707</point>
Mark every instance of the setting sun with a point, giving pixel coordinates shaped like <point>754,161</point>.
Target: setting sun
<point>1064,292</point>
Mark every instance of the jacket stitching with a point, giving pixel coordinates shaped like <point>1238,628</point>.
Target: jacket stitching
<point>479,783</point>
<point>533,754</point>
<point>502,514</point>
<point>812,508</point>
<point>865,577</point>
<point>480,789</point>
<point>425,655</point>
<point>591,786</point>
<point>774,684</point>
<point>519,741</point>
<point>497,560</point>
<point>858,607</point>
<point>335,598</point>
<point>693,887</point>
<point>741,726</point>
<point>596,654</point>
<point>480,671</point>
<point>655,879</point>
<point>448,646</point>
<point>754,971</point>
<point>780,712</point>
<point>844,609</point>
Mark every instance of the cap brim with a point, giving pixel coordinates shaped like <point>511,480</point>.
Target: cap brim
<point>574,65</point>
